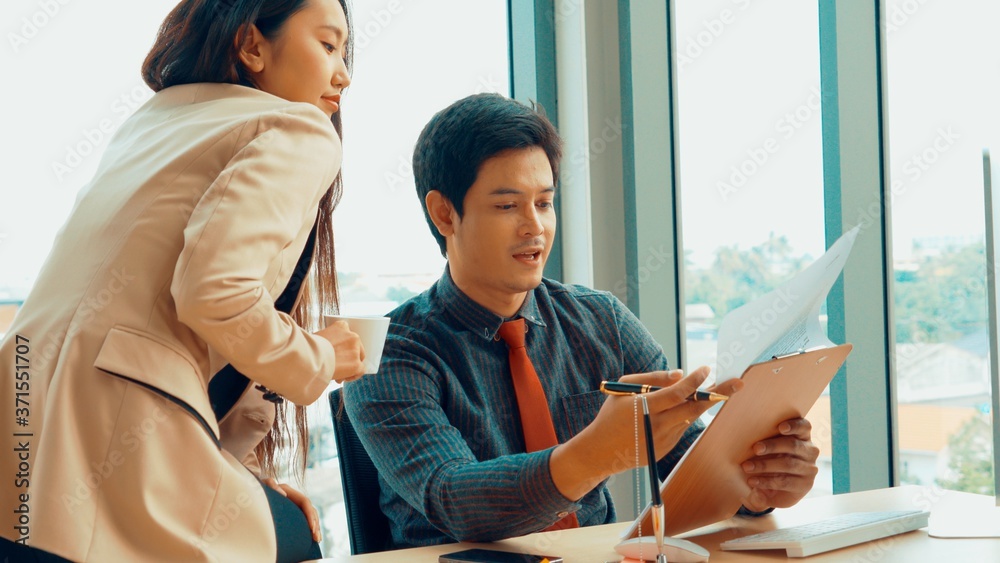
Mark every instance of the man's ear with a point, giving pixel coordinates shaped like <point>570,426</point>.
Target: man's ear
<point>441,212</point>
<point>252,48</point>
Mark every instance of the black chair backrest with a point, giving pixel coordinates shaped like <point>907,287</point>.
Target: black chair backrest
<point>367,525</point>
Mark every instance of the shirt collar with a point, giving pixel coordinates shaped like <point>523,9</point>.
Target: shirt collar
<point>479,319</point>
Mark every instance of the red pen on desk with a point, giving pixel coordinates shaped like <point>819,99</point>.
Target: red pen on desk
<point>619,388</point>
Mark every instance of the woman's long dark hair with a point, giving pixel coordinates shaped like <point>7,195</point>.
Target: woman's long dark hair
<point>199,42</point>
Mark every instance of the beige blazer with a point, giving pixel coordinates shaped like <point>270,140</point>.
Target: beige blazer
<point>167,269</point>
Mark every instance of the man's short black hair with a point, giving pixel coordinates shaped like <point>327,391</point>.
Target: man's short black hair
<point>460,138</point>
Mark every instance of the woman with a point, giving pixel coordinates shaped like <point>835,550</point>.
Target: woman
<point>177,261</point>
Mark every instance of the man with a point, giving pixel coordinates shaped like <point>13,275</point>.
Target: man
<point>453,422</point>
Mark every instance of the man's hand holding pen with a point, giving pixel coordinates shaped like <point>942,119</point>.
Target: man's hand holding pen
<point>673,405</point>
<point>607,446</point>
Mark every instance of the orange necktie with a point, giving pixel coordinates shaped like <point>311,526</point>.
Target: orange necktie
<point>536,420</point>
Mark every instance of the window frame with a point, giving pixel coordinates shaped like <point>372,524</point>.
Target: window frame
<point>852,62</point>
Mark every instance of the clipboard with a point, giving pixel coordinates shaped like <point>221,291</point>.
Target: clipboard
<point>708,483</point>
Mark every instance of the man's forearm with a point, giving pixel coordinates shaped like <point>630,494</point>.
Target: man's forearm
<point>496,499</point>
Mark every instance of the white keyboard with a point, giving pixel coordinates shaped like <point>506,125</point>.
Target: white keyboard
<point>832,533</point>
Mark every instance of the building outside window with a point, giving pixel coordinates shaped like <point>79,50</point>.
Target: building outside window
<point>751,163</point>
<point>943,80</point>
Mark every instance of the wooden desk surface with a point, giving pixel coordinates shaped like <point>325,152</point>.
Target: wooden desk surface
<point>595,544</point>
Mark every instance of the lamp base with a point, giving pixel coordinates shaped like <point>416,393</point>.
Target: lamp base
<point>677,550</point>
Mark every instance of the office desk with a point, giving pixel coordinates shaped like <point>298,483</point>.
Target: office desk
<point>594,544</point>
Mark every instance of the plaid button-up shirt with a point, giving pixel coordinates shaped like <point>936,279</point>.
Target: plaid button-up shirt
<point>440,418</point>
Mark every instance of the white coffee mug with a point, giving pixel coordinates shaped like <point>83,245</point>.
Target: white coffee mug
<point>372,331</point>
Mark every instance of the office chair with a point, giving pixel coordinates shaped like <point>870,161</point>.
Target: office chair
<point>368,527</point>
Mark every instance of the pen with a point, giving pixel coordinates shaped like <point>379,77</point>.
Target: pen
<point>618,388</point>
<point>654,482</point>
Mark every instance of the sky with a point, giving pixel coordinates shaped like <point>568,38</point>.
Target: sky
<point>80,70</point>
<point>756,64</point>
<point>746,90</point>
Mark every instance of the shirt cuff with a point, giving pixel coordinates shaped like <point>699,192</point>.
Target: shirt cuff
<point>744,511</point>
<point>540,492</point>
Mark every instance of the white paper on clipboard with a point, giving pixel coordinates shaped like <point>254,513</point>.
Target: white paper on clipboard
<point>783,321</point>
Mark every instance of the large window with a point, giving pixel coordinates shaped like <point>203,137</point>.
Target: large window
<point>71,78</point>
<point>943,84</point>
<point>412,59</point>
<point>751,173</point>
<point>72,73</point>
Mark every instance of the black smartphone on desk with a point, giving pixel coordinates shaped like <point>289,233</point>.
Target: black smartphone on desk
<point>494,556</point>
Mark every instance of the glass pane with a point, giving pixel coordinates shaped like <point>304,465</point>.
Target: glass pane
<point>406,68</point>
<point>68,88</point>
<point>750,151</point>
<point>942,94</point>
